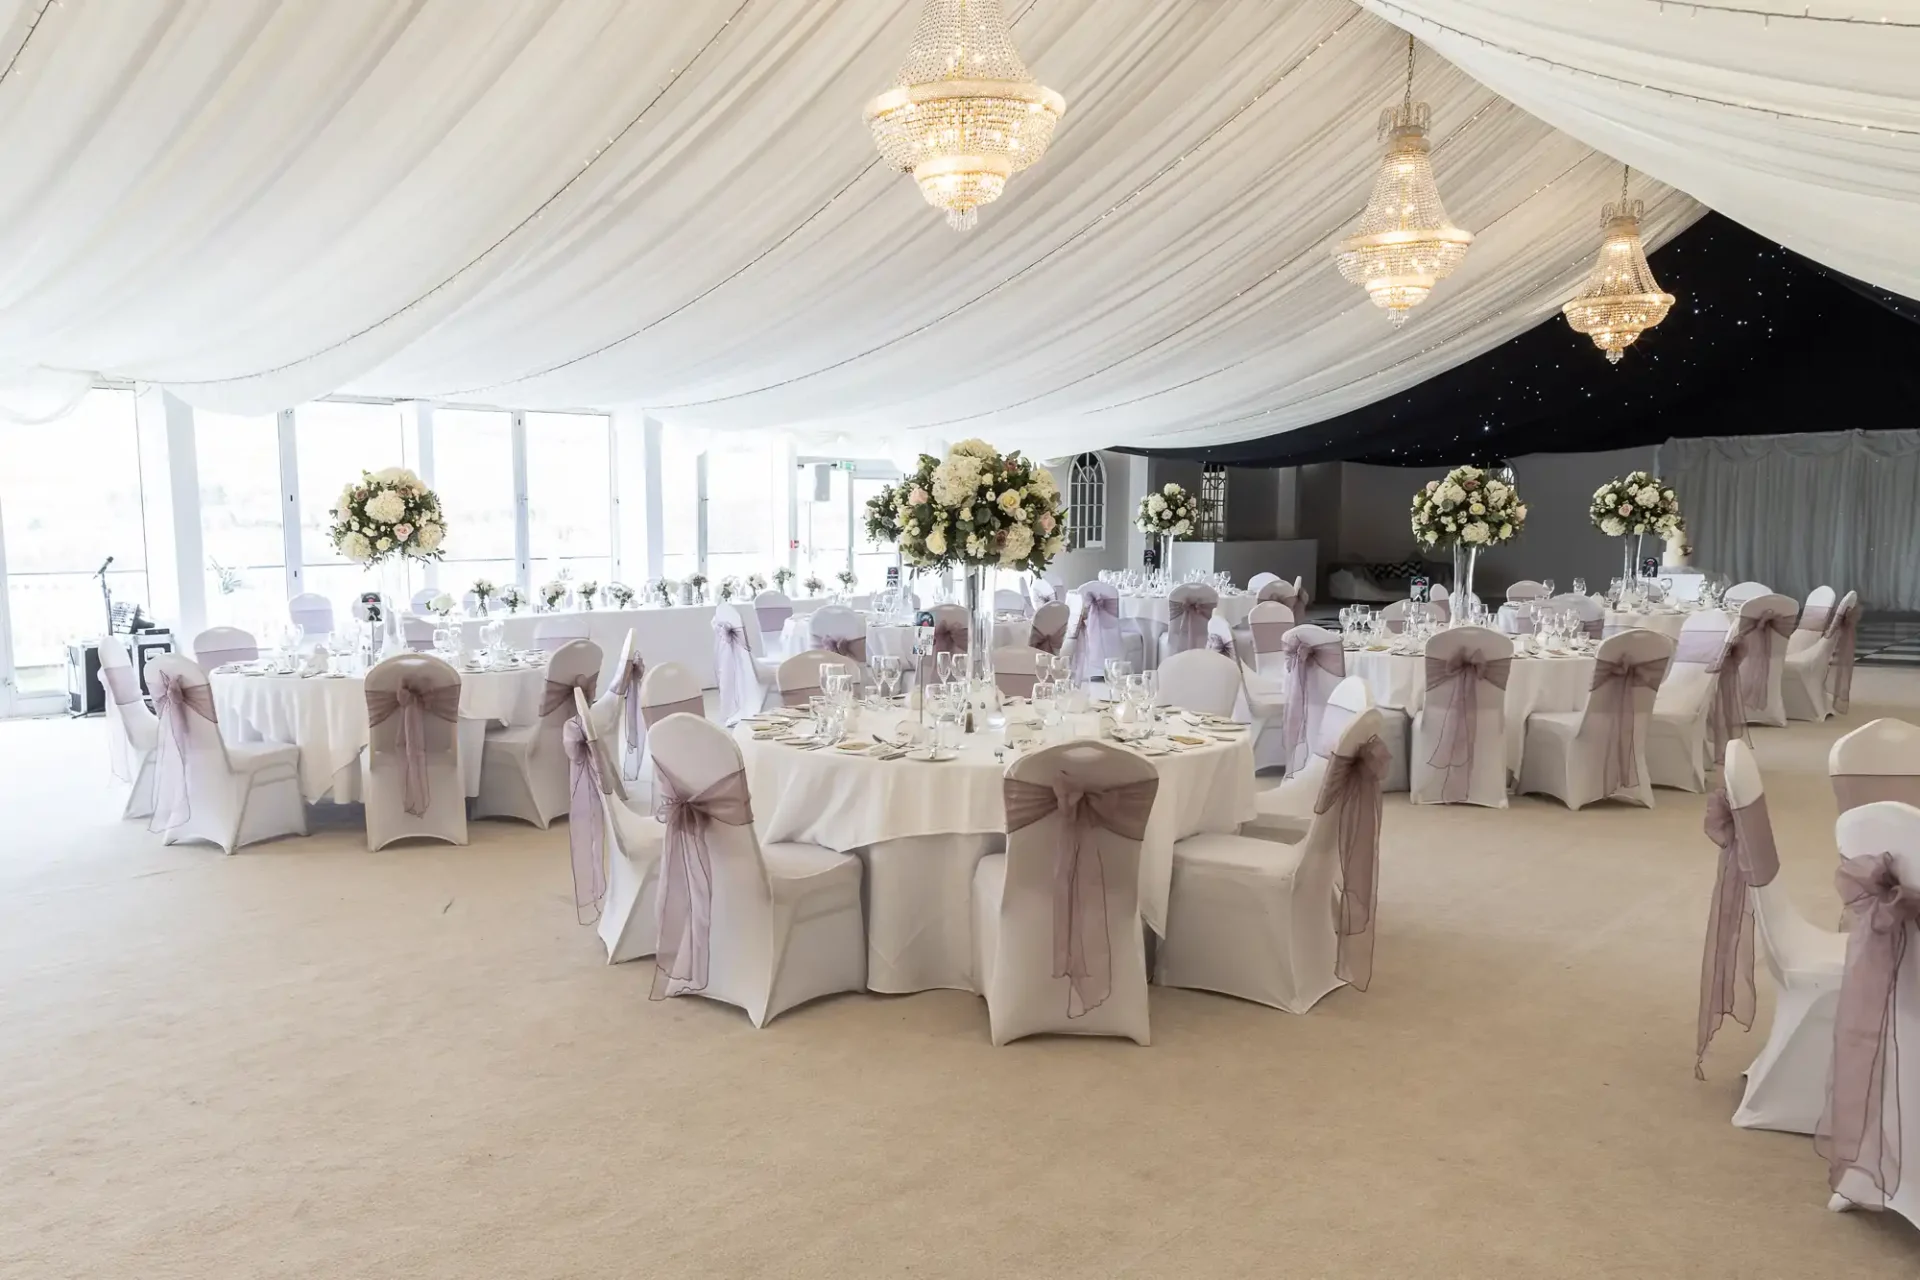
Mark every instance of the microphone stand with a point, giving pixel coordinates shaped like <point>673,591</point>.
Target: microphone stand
<point>106,592</point>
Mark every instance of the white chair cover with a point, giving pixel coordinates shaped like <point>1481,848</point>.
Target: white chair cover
<point>1740,593</point>
<point>1815,615</point>
<point>799,676</point>
<point>132,731</point>
<point>1816,678</point>
<point>1049,630</point>
<point>1096,630</point>
<point>1200,680</point>
<point>1759,643</point>
<point>524,770</point>
<point>555,630</point>
<point>1312,662</point>
<point>422,598</point>
<point>204,789</point>
<point>312,613</point>
<point>1282,592</point>
<point>1459,751</point>
<point>666,690</point>
<point>771,609</point>
<point>763,927</point>
<point>1878,761</point>
<point>1683,736</point>
<point>628,729</point>
<point>628,904</point>
<point>1005,601</point>
<point>217,646</point>
<point>838,629</point>
<point>1259,580</point>
<point>1189,606</point>
<point>417,634</point>
<point>742,691</point>
<point>1267,627</point>
<point>1058,940</point>
<point>1041,593</point>
<point>1014,668</point>
<point>1599,752</point>
<point>951,624</point>
<point>1284,812</point>
<point>1527,589</point>
<point>412,780</point>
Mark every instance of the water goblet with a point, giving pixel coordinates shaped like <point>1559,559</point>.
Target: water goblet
<point>1546,585</point>
<point>1579,586</point>
<point>943,665</point>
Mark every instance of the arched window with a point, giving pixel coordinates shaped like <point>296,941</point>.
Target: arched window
<point>1087,503</point>
<point>1213,504</point>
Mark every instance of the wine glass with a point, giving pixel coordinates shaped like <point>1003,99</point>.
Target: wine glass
<point>1579,586</point>
<point>1546,585</point>
<point>943,665</point>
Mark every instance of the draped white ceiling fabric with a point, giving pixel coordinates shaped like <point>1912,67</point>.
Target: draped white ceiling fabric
<point>676,206</point>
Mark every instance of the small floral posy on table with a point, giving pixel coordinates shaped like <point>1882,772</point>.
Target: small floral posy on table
<point>620,593</point>
<point>664,591</point>
<point>729,590</point>
<point>697,584</point>
<point>483,591</point>
<point>588,590</point>
<point>386,515</point>
<point>756,583</point>
<point>847,580</point>
<point>514,598</point>
<point>440,605</point>
<point>1468,508</point>
<point>552,594</point>
<point>783,579</point>
<point>883,516</point>
<point>814,584</point>
<point>1170,513</point>
<point>1636,503</point>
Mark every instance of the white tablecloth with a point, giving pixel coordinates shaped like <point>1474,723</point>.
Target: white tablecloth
<point>326,717</point>
<point>852,803</point>
<point>1154,608</point>
<point>1533,684</point>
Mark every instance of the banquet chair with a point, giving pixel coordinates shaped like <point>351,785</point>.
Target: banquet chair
<point>1285,812</point>
<point>1066,953</point>
<point>1189,605</point>
<point>206,789</point>
<point>1048,631</point>
<point>1437,594</point>
<point>1220,638</point>
<point>313,614</point>
<point>838,629</point>
<point>422,598</point>
<point>1878,761</point>
<point>1267,627</point>
<point>1259,704</point>
<point>1880,840</point>
<point>1679,750</point>
<point>1283,592</point>
<point>1096,632</point>
<point>628,904</point>
<point>617,716</point>
<point>1312,662</point>
<point>217,646</point>
<point>952,625</point>
<point>1458,753</point>
<point>417,633</point>
<point>771,609</point>
<point>666,690</point>
<point>1600,752</point>
<point>1591,612</point>
<point>410,777</point>
<point>1394,616</point>
<point>799,676</point>
<point>133,734</point>
<point>1261,920</point>
<point>1787,1080</point>
<point>523,767</point>
<point>1006,601</point>
<point>1759,643</point>
<point>746,680</point>
<point>1740,593</point>
<point>1817,679</point>
<point>1202,681</point>
<point>1526,589</point>
<point>1815,614</point>
<point>761,926</point>
<point>555,630</point>
<point>1014,669</point>
<point>1258,581</point>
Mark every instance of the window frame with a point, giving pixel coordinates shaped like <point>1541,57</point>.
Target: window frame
<point>1087,503</point>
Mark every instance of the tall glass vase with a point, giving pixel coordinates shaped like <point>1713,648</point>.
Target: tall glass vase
<point>979,586</point>
<point>1630,561</point>
<point>1464,559</point>
<point>1166,555</point>
<point>393,601</point>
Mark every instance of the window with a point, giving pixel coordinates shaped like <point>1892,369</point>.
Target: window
<point>741,472</point>
<point>241,519</point>
<point>870,561</point>
<point>569,496</point>
<point>1087,503</point>
<point>679,504</point>
<point>473,474</point>
<point>824,501</point>
<point>1213,504</point>
<point>69,497</point>
<point>334,442</point>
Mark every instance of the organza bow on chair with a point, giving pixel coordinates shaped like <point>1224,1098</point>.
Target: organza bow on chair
<point>1047,641</point>
<point>850,647</point>
<point>1752,651</point>
<point>687,706</point>
<point>1748,859</point>
<point>626,684</point>
<point>1844,629</point>
<point>586,824</point>
<point>1187,622</point>
<point>173,701</point>
<point>732,667</point>
<point>1352,786</point>
<point>1096,633</point>
<point>559,693</point>
<point>1725,718</point>
<point>415,699</point>
<point>1082,950</point>
<point>686,875</point>
<point>1460,731</point>
<point>1612,695</point>
<point>1300,657</point>
<point>1855,1133</point>
<point>950,636</point>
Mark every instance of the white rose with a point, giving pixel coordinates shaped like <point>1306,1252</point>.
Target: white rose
<point>383,545</point>
<point>1476,532</point>
<point>430,536</point>
<point>1156,504</point>
<point>1183,527</point>
<point>1055,546</point>
<point>387,507</point>
<point>1613,527</point>
<point>1476,509</point>
<point>937,542</point>
<point>1019,545</point>
<point>1171,489</point>
<point>976,546</point>
<point>1496,492</point>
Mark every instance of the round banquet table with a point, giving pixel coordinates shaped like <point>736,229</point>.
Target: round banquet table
<point>326,717</point>
<point>1234,608</point>
<point>920,828</point>
<point>1533,684</point>
<point>896,638</point>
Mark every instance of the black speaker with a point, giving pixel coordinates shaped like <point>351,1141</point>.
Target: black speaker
<point>85,697</point>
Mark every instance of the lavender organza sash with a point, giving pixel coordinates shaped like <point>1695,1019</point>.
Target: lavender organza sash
<point>1714,650</point>
<point>1459,732</point>
<point>1815,618</point>
<point>559,693</point>
<point>1855,789</point>
<point>1299,656</point>
<point>1187,624</point>
<point>626,684</point>
<point>1268,636</point>
<point>1015,684</point>
<point>1753,647</point>
<point>1748,858</point>
<point>1047,641</point>
<point>852,647</point>
<point>686,875</point>
<point>415,699</point>
<point>1844,631</point>
<point>1612,695</point>
<point>1082,950</point>
<point>730,652</point>
<point>655,714</point>
<point>772,617</point>
<point>1282,593</point>
<point>121,684</point>
<point>173,701</point>
<point>949,635</point>
<point>1352,785</point>
<point>797,697</point>
<point>1854,1132</point>
<point>1220,643</point>
<point>586,824</point>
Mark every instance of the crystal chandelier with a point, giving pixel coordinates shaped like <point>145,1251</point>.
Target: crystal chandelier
<point>966,115</point>
<point>1622,300</point>
<point>1404,244</point>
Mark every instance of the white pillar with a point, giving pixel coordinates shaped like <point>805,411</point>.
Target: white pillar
<point>170,484</point>
<point>656,520</point>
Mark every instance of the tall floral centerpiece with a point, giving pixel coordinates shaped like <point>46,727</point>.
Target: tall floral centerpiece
<point>1466,512</point>
<point>1171,513</point>
<point>384,519</point>
<point>1637,504</point>
<point>980,510</point>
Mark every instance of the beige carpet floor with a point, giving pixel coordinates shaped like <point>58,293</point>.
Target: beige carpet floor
<point>311,1061</point>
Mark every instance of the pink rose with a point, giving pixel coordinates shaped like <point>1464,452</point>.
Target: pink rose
<point>1046,523</point>
<point>1626,508</point>
<point>402,531</point>
<point>918,497</point>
